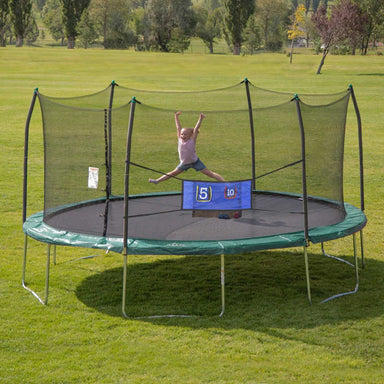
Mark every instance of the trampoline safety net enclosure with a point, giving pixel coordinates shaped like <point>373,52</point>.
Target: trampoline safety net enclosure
<point>100,151</point>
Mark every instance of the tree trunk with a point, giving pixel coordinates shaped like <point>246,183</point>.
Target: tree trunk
<point>291,53</point>
<point>71,42</point>
<point>236,48</point>
<point>325,52</point>
<point>19,41</point>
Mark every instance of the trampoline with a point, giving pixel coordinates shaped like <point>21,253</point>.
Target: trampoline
<point>294,162</point>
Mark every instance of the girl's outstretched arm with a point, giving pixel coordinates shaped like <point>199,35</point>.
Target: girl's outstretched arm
<point>197,126</point>
<point>177,122</point>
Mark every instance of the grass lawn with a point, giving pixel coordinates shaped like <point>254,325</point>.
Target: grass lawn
<point>269,333</point>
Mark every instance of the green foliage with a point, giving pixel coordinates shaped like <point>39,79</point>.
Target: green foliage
<point>236,15</point>
<point>208,26</point>
<point>163,16</point>
<point>4,17</point>
<point>119,35</point>
<point>273,20</point>
<point>252,37</point>
<point>32,32</point>
<point>86,29</point>
<point>178,42</point>
<point>52,15</point>
<point>72,11</point>
<point>21,16</point>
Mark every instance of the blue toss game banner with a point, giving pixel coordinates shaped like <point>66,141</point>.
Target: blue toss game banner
<point>217,195</point>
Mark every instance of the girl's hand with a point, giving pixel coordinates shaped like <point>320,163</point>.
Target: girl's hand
<point>177,113</point>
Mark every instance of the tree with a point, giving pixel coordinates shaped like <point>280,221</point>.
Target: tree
<point>86,30</point>
<point>140,26</point>
<point>21,12</point>
<point>297,29</point>
<point>349,24</point>
<point>236,15</point>
<point>4,18</point>
<point>178,42</point>
<point>119,34</point>
<point>374,10</point>
<point>32,31</point>
<point>345,25</point>
<point>272,16</point>
<point>52,15</point>
<point>208,25</point>
<point>108,15</point>
<point>324,28</point>
<point>164,16</point>
<point>252,39</point>
<point>72,11</point>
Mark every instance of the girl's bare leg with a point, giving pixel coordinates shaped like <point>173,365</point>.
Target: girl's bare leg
<point>212,174</point>
<point>175,172</point>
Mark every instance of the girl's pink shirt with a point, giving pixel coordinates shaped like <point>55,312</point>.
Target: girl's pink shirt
<point>187,151</point>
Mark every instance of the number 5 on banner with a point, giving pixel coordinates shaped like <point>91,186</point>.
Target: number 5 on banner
<point>203,194</point>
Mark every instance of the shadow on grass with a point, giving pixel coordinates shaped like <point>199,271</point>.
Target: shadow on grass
<point>264,289</point>
<point>371,74</point>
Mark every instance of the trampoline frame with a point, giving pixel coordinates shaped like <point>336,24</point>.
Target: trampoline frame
<point>125,252</point>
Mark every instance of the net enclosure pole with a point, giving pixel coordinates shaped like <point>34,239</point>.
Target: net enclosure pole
<point>246,82</point>
<point>360,137</point>
<point>126,200</point>
<point>305,196</point>
<point>361,166</point>
<point>126,177</point>
<point>303,168</point>
<point>26,149</point>
<point>109,158</point>
<point>25,193</point>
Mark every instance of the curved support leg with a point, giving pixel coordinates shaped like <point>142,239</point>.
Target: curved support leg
<point>124,298</point>
<point>334,257</point>
<point>24,284</point>
<point>355,265</point>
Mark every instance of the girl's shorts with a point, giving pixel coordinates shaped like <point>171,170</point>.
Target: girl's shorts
<point>198,165</point>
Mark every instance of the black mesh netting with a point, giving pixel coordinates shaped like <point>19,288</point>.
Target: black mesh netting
<point>85,143</point>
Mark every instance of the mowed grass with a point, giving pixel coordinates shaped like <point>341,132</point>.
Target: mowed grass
<point>269,333</point>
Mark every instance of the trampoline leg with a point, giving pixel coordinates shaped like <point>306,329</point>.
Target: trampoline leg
<point>356,265</point>
<point>307,274</point>
<point>355,257</point>
<point>362,249</point>
<point>124,297</point>
<point>24,284</point>
<point>222,272</point>
<point>334,257</point>
<point>54,254</point>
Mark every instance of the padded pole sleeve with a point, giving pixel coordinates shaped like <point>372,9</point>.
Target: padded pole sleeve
<point>360,134</point>
<point>126,178</point>
<point>303,168</point>
<point>26,147</point>
<point>252,133</point>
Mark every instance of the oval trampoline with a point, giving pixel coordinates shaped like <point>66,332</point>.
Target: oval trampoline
<point>99,195</point>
